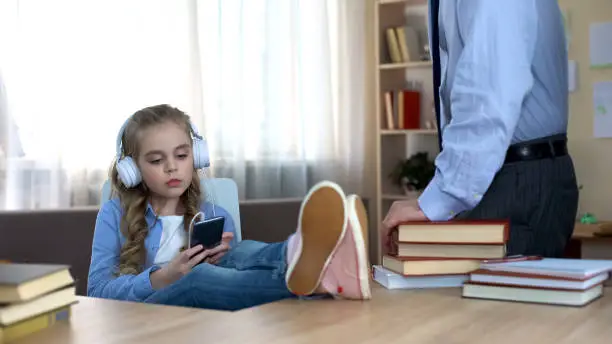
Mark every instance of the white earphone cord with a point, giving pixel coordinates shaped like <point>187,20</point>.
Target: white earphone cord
<point>191,227</point>
<point>212,192</point>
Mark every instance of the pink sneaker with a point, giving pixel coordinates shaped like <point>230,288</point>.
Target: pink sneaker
<point>322,225</point>
<point>348,274</point>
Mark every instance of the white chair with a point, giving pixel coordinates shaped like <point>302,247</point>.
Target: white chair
<point>222,192</point>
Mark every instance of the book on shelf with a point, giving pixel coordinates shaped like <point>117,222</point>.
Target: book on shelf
<point>393,45</point>
<point>33,297</point>
<point>402,109</point>
<point>558,281</point>
<point>402,44</point>
<point>392,280</point>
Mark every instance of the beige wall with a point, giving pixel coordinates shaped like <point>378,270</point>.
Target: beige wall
<point>592,157</point>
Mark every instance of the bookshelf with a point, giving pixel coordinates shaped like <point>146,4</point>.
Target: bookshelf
<point>402,65</point>
<point>393,76</point>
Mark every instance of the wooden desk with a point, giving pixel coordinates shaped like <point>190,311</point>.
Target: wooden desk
<point>587,232</point>
<point>423,316</point>
<point>586,245</point>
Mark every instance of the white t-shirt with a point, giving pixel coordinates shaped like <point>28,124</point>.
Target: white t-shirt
<point>173,238</point>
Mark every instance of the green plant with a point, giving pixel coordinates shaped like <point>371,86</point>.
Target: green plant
<point>414,173</point>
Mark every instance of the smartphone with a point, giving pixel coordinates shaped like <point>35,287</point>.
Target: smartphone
<point>208,232</point>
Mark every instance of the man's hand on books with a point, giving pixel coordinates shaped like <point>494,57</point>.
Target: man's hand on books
<point>400,212</point>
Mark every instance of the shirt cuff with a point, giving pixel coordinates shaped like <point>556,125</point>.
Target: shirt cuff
<point>438,205</point>
<point>142,283</point>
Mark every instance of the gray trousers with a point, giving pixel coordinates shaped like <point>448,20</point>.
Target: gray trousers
<point>540,198</point>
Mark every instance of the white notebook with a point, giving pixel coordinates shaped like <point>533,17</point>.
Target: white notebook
<point>579,269</point>
<point>392,280</point>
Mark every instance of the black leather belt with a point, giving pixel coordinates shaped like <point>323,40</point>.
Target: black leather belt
<point>535,151</point>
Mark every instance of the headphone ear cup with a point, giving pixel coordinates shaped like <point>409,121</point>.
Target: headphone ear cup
<point>128,172</point>
<point>201,158</point>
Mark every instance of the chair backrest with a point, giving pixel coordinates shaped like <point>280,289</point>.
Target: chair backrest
<point>222,192</point>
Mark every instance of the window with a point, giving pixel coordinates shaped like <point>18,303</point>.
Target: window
<point>260,80</point>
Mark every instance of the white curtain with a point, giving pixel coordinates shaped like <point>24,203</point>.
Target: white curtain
<point>276,86</point>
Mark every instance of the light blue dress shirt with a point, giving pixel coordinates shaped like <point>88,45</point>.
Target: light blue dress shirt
<point>107,243</point>
<point>504,80</point>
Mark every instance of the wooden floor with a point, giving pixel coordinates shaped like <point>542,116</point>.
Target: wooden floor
<point>425,316</point>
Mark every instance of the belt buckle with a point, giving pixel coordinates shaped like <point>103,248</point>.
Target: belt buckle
<point>524,151</point>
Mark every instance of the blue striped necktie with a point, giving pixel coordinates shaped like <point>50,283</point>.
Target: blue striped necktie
<point>435,54</point>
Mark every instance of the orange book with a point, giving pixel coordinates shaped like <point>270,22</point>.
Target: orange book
<point>429,266</point>
<point>467,250</point>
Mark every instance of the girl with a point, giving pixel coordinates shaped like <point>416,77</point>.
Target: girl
<point>138,251</point>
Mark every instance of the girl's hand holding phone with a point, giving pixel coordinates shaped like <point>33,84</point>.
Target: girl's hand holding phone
<point>215,253</point>
<point>179,266</point>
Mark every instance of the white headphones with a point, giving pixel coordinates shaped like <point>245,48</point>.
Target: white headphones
<point>128,171</point>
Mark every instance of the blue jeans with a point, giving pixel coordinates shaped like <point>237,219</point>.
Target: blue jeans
<point>250,274</point>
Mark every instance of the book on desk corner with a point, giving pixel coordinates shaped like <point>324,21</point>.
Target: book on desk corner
<point>33,297</point>
<point>24,281</point>
<point>34,324</point>
<point>557,281</point>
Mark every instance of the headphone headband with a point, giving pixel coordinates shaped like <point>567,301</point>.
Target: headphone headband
<point>194,131</point>
<point>128,170</point>
<point>119,144</point>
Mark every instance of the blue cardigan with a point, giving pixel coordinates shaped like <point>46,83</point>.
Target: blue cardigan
<point>107,242</point>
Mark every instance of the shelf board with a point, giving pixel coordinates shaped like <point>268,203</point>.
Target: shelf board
<point>408,131</point>
<point>407,2</point>
<point>404,65</point>
<point>400,197</point>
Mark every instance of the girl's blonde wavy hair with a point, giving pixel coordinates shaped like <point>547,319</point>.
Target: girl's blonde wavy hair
<point>134,200</point>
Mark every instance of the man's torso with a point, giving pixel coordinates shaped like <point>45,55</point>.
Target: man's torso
<point>545,109</point>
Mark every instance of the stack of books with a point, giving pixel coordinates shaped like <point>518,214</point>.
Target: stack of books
<point>569,282</point>
<point>440,254</point>
<point>33,297</point>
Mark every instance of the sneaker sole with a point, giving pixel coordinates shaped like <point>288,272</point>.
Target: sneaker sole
<point>323,219</point>
<point>359,224</point>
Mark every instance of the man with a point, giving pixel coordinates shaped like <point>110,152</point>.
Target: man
<point>502,111</point>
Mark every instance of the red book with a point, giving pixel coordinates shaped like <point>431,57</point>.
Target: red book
<point>412,109</point>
